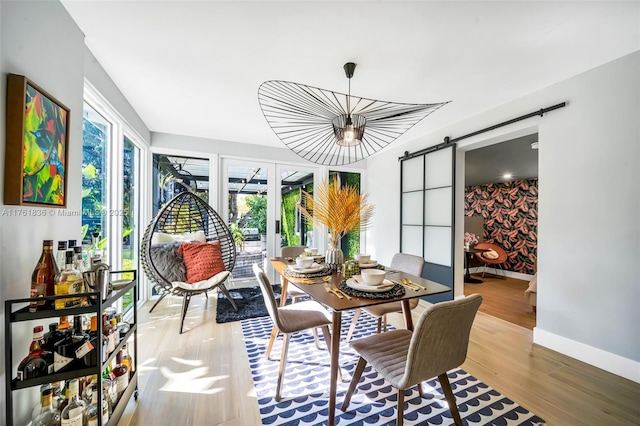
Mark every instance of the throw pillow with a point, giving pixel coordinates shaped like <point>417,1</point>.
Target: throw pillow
<point>203,260</point>
<point>168,262</point>
<point>491,254</point>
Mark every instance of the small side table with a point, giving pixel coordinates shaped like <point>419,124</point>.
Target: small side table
<point>467,260</point>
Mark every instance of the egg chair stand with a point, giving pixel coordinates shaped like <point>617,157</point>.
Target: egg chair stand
<point>187,213</point>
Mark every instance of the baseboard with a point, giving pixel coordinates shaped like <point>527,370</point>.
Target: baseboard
<point>500,272</point>
<point>615,364</point>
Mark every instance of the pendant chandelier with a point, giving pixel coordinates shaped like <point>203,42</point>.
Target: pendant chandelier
<point>332,128</point>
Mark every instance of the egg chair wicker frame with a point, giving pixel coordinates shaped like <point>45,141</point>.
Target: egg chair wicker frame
<point>185,213</point>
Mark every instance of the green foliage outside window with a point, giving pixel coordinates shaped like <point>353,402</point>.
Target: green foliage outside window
<point>257,212</point>
<point>289,201</point>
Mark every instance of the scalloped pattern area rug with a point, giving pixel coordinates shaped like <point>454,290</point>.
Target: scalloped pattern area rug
<point>306,386</point>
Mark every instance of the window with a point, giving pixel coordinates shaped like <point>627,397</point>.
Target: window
<point>112,175</point>
<point>96,142</point>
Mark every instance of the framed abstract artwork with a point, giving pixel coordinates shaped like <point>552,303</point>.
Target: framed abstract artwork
<point>37,145</point>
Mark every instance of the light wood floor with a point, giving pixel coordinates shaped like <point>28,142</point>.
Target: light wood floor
<point>202,377</point>
<point>503,297</point>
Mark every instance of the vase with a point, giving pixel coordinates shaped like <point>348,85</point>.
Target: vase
<point>334,257</point>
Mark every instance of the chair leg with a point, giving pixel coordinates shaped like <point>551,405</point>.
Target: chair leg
<point>420,390</point>
<point>316,340</point>
<point>274,335</point>
<point>228,296</point>
<point>400,419</point>
<point>362,363</point>
<point>185,305</point>
<point>354,322</point>
<point>165,294</point>
<point>379,325</point>
<point>384,323</point>
<point>283,362</point>
<point>451,398</point>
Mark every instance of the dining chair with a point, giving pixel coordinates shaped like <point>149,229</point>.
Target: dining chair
<point>405,359</point>
<point>407,263</point>
<point>293,251</point>
<point>290,319</point>
<point>295,293</point>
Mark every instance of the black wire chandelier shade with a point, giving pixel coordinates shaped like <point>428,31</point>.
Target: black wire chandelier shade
<point>332,128</point>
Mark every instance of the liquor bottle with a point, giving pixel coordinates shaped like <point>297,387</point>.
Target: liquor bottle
<point>108,331</point>
<point>60,254</point>
<point>122,375</point>
<point>92,410</point>
<point>56,394</point>
<point>43,277</point>
<point>85,351</point>
<point>69,281</point>
<point>70,353</point>
<point>38,408</point>
<point>63,400</point>
<point>126,360</point>
<point>79,259</point>
<point>54,335</point>
<point>74,413</point>
<point>95,252</point>
<point>34,364</point>
<point>48,416</point>
<point>64,323</point>
<point>116,334</point>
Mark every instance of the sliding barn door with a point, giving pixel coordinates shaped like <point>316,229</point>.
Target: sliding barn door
<point>426,214</point>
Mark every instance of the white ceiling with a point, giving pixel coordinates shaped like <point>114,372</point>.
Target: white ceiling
<point>194,67</point>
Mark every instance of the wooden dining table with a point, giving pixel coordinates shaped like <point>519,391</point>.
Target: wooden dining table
<point>316,289</point>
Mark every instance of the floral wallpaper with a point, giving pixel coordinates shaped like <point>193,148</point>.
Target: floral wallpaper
<point>510,212</point>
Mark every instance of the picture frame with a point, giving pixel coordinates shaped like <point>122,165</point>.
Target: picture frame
<point>37,146</point>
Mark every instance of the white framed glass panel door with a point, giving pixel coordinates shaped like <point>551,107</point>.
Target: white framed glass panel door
<point>248,207</point>
<point>426,212</point>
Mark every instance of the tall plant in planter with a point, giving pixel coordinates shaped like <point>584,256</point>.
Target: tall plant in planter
<point>341,209</point>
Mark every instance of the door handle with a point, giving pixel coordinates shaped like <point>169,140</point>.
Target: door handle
<point>277,226</point>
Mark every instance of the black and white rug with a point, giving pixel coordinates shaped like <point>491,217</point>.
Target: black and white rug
<point>249,301</point>
<point>306,386</point>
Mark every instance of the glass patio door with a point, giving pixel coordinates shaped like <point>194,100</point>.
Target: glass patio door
<point>292,228</point>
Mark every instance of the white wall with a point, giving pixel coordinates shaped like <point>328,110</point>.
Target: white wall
<point>40,41</point>
<point>588,227</point>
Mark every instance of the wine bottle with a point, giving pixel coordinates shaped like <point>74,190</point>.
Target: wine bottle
<point>43,277</point>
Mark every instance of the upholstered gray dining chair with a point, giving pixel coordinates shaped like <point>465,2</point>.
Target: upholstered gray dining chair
<point>405,359</point>
<point>292,291</point>
<point>290,319</point>
<point>293,251</point>
<point>406,263</point>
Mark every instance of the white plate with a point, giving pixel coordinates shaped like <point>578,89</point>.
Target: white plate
<point>385,286</point>
<point>369,264</point>
<point>316,267</point>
